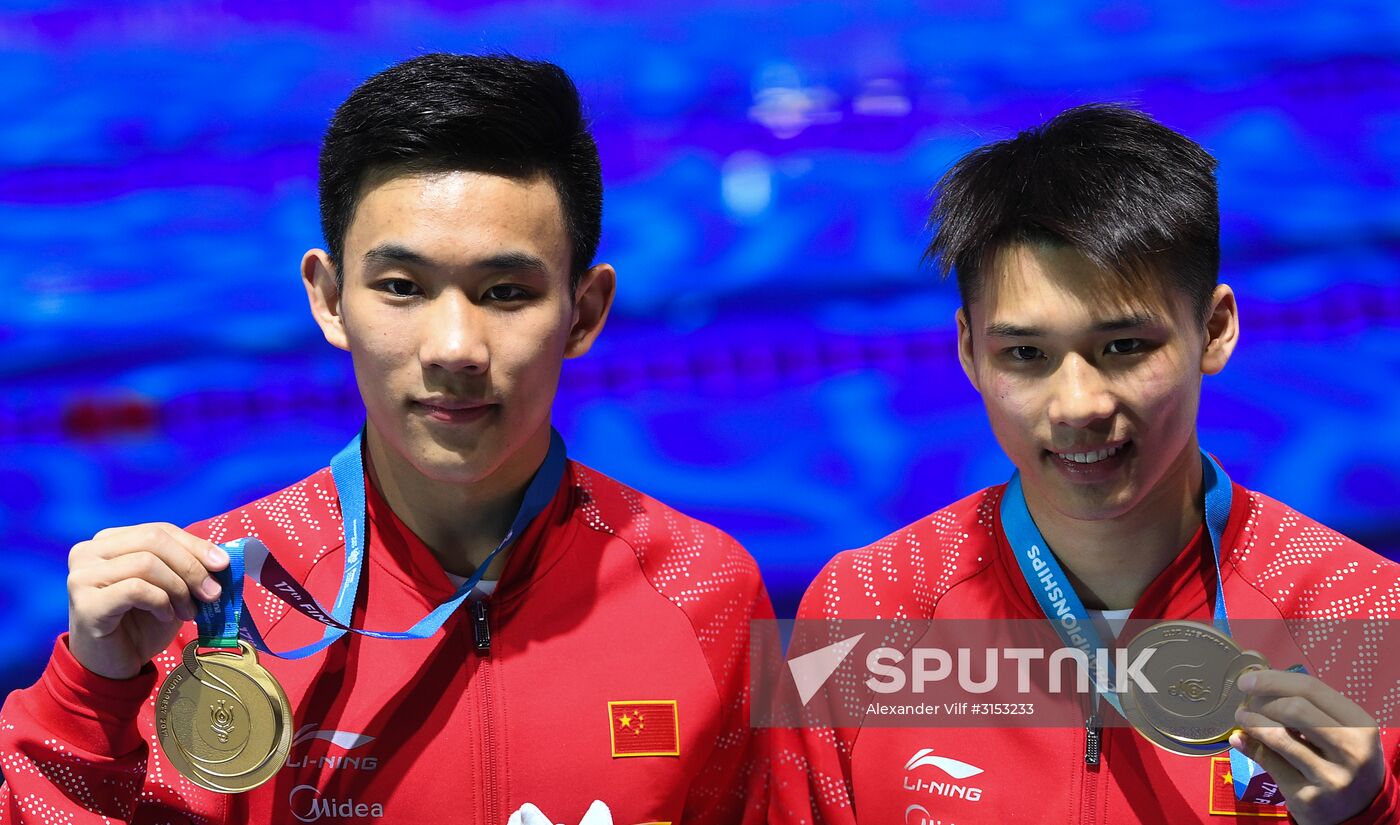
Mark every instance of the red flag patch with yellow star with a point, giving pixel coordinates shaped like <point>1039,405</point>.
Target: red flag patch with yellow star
<point>1222,795</point>
<point>647,727</point>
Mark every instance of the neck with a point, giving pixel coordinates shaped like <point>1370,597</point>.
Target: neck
<point>461,523</point>
<point>1112,561</point>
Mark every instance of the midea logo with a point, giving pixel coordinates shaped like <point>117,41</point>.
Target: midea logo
<point>315,807</point>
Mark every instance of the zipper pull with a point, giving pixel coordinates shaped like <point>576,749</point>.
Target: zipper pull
<point>1093,730</point>
<point>481,627</point>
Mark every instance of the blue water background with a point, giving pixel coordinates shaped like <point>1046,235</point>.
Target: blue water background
<point>779,362</point>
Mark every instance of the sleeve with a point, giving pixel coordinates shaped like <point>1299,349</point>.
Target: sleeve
<point>72,750</point>
<point>811,782</point>
<point>732,787</point>
<point>1385,808</point>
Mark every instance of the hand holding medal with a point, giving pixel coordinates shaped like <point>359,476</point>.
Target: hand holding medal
<point>1323,749</point>
<point>222,720</point>
<point>131,589</point>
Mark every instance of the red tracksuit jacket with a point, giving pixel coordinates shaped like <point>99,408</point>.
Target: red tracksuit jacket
<point>611,605</point>
<point>956,564</point>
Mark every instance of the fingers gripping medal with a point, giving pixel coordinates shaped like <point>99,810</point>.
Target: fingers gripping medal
<point>222,720</point>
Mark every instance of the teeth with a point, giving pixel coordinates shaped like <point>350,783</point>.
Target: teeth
<point>1090,458</point>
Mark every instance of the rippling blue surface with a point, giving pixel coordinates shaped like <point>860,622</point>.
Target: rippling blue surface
<point>778,362</point>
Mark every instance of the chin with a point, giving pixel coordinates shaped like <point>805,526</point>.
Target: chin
<point>447,467</point>
<point>1103,509</point>
<point>1091,502</point>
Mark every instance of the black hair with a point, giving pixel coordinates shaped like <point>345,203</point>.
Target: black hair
<point>1136,198</point>
<point>496,114</point>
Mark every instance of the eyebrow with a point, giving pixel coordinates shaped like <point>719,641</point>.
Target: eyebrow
<point>1137,320</point>
<point>516,261</point>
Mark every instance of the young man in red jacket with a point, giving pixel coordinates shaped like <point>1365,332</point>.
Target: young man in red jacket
<point>568,638</point>
<point>1086,254</point>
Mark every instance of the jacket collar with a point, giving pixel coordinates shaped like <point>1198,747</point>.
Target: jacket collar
<point>1184,589</point>
<point>402,554</point>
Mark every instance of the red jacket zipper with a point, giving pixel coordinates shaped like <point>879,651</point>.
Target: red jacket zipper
<point>1092,766</point>
<point>481,634</point>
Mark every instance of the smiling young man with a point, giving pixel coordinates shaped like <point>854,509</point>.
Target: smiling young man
<point>568,638</point>
<point>1087,253</point>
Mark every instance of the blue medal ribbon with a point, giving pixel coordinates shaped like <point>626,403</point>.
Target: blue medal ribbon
<point>221,624</point>
<point>1063,608</point>
<point>218,622</point>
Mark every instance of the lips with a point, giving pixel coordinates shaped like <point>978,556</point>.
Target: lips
<point>1091,464</point>
<point>453,410</point>
<point>451,404</point>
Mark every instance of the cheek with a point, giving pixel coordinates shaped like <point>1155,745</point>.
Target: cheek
<point>1013,407</point>
<point>1162,390</point>
<point>377,352</point>
<point>385,363</point>
<point>532,343</point>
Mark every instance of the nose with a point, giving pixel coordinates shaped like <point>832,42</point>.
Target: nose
<point>454,335</point>
<point>1080,395</point>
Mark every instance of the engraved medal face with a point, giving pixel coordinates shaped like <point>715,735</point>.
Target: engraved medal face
<point>1195,669</point>
<point>222,720</point>
<point>1161,740</point>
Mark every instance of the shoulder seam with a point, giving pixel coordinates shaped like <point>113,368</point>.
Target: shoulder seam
<point>694,631</point>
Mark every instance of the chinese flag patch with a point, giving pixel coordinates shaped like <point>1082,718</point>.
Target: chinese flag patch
<point>644,728</point>
<point>1222,794</point>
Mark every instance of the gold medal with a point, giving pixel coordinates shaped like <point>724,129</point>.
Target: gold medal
<point>1195,670</point>
<point>222,720</point>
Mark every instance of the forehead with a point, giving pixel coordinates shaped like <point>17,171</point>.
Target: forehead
<point>1057,289</point>
<point>459,216</point>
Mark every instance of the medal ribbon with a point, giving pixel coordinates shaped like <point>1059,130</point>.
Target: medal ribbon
<point>221,624</point>
<point>1067,613</point>
<point>217,622</point>
<point>1044,575</point>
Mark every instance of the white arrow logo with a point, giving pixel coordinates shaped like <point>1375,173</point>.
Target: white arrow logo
<point>811,670</point>
<point>952,767</point>
<point>340,738</point>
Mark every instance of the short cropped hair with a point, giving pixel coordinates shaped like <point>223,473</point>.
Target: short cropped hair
<point>1136,198</point>
<point>495,114</point>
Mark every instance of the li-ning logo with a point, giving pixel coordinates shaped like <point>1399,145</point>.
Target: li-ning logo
<point>313,807</point>
<point>951,767</point>
<point>343,739</point>
<point>349,740</point>
<point>1192,690</point>
<point>222,724</point>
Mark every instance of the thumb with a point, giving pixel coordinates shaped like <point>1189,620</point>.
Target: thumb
<point>597,814</point>
<point>528,814</point>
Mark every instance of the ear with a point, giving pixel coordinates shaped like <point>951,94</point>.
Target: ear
<point>593,299</point>
<point>323,294</point>
<point>965,348</point>
<point>1222,330</point>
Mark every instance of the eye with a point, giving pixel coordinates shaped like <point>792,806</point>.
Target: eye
<point>398,287</point>
<point>1023,353</point>
<point>506,293</point>
<point>1125,346</point>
